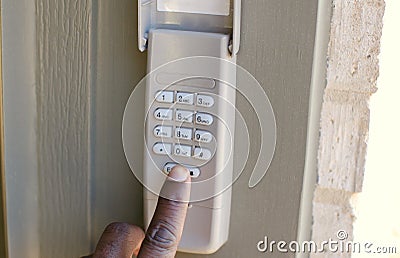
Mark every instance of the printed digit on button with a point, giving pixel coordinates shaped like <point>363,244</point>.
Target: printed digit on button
<point>163,131</point>
<point>203,136</point>
<point>183,133</point>
<point>165,96</point>
<point>183,150</point>
<point>204,119</point>
<point>204,101</point>
<point>184,116</point>
<point>163,114</point>
<point>185,98</point>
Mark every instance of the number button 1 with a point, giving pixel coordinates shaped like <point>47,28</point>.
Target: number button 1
<point>165,96</point>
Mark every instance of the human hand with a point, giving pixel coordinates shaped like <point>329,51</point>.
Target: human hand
<point>164,233</point>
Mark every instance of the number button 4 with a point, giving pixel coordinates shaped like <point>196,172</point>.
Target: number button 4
<point>163,114</point>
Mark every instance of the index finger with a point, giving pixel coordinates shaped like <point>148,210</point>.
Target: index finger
<point>165,230</point>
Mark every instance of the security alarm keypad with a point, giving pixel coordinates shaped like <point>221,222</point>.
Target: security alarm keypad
<point>187,126</point>
<point>190,109</point>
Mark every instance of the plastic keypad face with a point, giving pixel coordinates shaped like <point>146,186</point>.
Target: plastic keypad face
<point>183,129</point>
<point>190,120</point>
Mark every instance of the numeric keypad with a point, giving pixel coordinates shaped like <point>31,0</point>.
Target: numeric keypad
<point>184,128</point>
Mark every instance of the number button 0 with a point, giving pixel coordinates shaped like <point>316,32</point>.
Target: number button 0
<point>204,119</point>
<point>163,131</point>
<point>203,136</point>
<point>183,150</point>
<point>163,114</point>
<point>165,96</point>
<point>205,101</point>
<point>185,98</point>
<point>184,116</point>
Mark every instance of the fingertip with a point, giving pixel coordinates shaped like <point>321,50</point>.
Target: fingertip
<point>179,174</point>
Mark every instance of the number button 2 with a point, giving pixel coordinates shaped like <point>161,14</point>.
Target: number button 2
<point>185,98</point>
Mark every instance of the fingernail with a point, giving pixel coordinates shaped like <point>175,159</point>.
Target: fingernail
<point>179,174</point>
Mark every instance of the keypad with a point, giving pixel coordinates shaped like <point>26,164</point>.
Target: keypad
<point>184,128</point>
